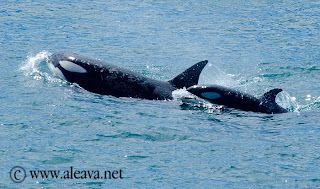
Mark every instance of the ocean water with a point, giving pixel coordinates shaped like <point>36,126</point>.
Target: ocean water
<point>49,124</point>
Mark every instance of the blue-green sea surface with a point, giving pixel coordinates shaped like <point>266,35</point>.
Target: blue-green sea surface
<point>47,123</point>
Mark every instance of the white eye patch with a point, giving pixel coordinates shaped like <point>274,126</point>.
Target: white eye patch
<point>211,95</point>
<point>72,67</point>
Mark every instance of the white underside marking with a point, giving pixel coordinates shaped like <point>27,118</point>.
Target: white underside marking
<point>211,95</point>
<point>56,71</point>
<point>72,67</point>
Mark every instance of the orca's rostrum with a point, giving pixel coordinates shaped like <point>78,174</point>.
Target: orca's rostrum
<point>107,79</point>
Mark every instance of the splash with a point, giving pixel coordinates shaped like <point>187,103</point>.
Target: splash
<point>214,75</point>
<point>37,67</point>
<point>31,65</point>
<point>209,75</point>
<point>181,93</point>
<point>288,102</point>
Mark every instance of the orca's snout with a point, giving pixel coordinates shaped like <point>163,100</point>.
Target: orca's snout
<point>52,59</point>
<point>53,64</point>
<point>192,89</point>
<point>56,58</point>
<point>196,89</point>
<point>65,64</point>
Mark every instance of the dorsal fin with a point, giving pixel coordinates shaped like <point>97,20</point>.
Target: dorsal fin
<point>270,96</point>
<point>189,77</point>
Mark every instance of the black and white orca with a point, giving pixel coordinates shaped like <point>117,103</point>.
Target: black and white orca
<point>239,100</point>
<point>107,79</point>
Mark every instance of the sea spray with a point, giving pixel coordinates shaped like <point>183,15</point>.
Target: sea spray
<point>288,102</point>
<point>214,75</point>
<point>37,67</point>
<point>31,65</point>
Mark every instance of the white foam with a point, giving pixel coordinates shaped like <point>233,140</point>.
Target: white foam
<point>181,93</point>
<point>30,66</point>
<point>286,101</point>
<point>36,67</point>
<point>72,67</point>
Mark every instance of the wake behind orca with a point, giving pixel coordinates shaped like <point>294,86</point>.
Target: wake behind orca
<point>107,79</point>
<point>239,100</point>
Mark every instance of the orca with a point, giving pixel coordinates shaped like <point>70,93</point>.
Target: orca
<point>237,99</point>
<point>103,78</point>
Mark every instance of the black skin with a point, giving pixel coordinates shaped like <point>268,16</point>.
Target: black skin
<point>240,100</point>
<point>108,79</point>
